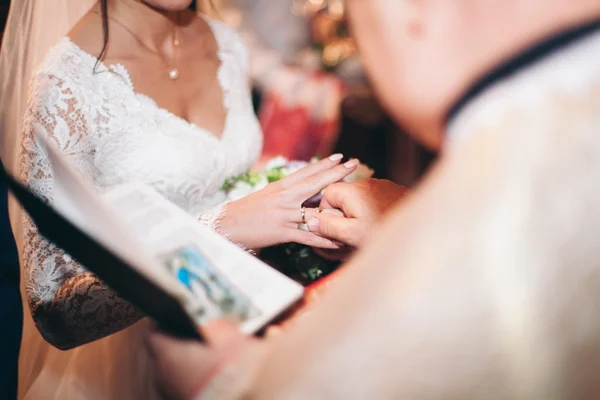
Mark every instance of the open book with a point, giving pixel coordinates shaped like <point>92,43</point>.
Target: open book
<point>155,255</point>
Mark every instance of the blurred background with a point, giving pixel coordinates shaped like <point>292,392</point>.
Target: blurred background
<point>310,92</point>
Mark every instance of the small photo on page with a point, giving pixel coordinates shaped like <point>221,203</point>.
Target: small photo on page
<point>220,299</point>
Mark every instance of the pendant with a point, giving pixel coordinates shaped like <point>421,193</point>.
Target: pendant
<point>173,74</point>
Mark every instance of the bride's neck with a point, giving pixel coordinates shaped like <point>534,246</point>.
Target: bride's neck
<point>154,27</point>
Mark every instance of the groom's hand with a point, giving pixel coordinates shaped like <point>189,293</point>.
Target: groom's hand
<point>362,203</point>
<point>184,368</point>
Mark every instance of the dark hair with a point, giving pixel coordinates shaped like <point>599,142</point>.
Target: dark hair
<point>104,16</point>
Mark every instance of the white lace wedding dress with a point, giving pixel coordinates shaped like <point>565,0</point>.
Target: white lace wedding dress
<point>114,136</point>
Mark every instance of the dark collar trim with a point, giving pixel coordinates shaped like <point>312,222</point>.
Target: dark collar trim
<point>524,59</point>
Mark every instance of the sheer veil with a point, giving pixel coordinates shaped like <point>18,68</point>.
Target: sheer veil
<point>114,367</point>
<point>33,27</point>
<point>117,366</point>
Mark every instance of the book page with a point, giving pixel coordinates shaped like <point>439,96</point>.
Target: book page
<point>80,203</point>
<point>229,282</point>
<point>209,276</point>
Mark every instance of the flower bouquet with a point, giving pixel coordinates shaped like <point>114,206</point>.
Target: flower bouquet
<point>297,261</point>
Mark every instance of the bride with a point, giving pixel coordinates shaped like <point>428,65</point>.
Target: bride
<point>141,90</point>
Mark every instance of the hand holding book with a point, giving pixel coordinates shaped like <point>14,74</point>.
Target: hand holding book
<point>156,256</point>
<point>223,367</point>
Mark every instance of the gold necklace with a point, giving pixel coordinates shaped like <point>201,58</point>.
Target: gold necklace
<point>173,71</point>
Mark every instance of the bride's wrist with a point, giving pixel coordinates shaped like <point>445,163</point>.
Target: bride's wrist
<point>226,228</point>
<point>230,227</point>
<point>219,219</point>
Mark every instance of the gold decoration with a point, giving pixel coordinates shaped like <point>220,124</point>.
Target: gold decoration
<point>329,29</point>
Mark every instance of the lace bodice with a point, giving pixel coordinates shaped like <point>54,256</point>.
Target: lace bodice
<point>114,136</point>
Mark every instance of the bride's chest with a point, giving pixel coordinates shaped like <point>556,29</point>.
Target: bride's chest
<point>142,142</point>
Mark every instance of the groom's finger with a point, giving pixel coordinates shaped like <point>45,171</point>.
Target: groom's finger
<point>296,214</point>
<point>338,196</point>
<point>346,230</point>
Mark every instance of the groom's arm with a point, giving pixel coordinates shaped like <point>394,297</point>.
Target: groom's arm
<point>407,317</point>
<point>480,285</point>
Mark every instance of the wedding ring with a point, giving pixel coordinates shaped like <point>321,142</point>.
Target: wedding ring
<point>303,214</point>
<point>319,210</point>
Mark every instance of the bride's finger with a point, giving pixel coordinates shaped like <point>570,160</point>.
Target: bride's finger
<point>314,184</point>
<point>294,215</point>
<point>299,215</point>
<point>311,169</point>
<point>310,239</point>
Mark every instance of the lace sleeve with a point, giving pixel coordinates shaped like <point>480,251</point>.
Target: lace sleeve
<point>212,218</point>
<point>69,305</point>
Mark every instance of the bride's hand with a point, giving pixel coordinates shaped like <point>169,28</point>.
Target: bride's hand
<point>271,216</point>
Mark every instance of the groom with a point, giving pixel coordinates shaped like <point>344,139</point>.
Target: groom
<point>485,281</point>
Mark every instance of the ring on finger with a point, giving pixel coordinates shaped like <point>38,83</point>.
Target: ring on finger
<point>303,214</point>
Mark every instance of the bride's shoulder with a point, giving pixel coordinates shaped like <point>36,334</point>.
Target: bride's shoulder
<point>66,72</point>
<point>228,40</point>
<point>70,58</point>
<point>65,61</point>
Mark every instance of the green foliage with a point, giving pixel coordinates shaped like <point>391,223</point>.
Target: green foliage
<point>299,262</point>
<point>254,178</point>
